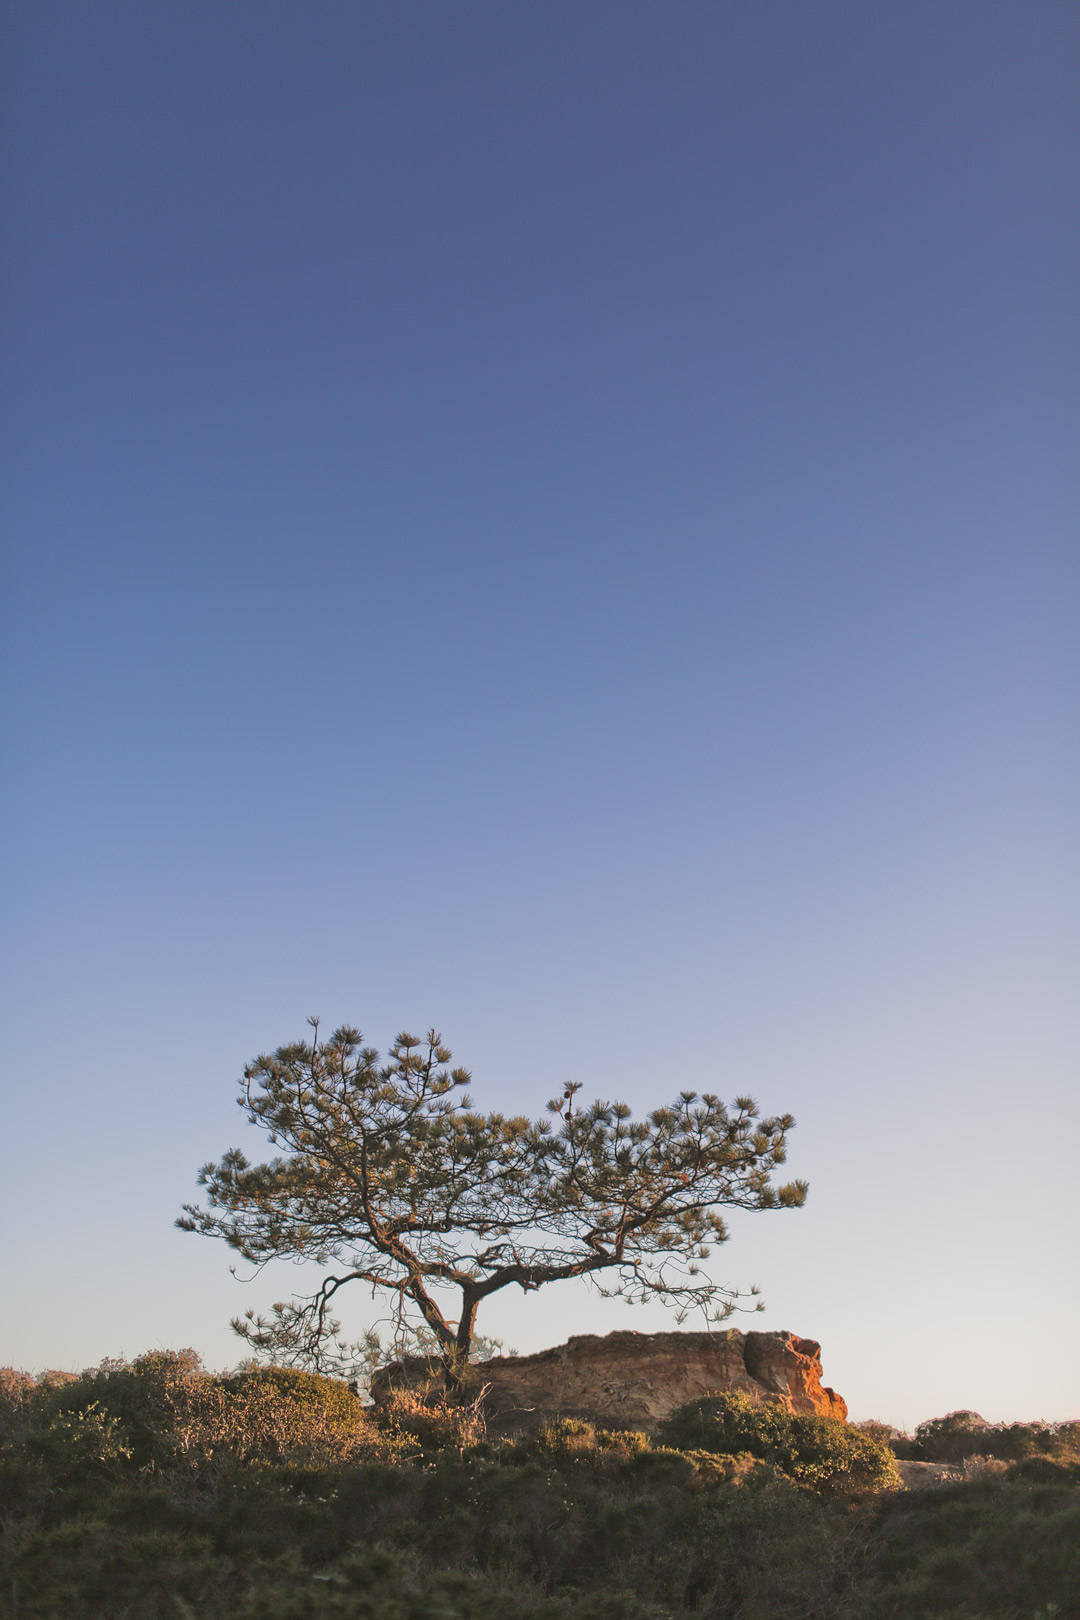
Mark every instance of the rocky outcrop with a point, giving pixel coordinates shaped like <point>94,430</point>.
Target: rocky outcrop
<point>789,1369</point>
<point>919,1476</point>
<point>635,1380</point>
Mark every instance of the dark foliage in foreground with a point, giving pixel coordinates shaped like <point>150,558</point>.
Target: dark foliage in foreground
<point>152,1491</point>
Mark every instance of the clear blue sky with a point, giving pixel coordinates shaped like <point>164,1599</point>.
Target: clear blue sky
<point>558,521</point>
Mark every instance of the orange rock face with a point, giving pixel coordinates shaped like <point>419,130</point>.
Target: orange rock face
<point>635,1380</point>
<point>789,1368</point>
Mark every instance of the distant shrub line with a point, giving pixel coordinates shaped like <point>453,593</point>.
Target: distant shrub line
<point>963,1435</point>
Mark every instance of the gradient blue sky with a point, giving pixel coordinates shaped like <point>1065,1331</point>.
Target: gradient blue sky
<point>559,521</point>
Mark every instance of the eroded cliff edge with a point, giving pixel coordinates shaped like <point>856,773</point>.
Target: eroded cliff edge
<point>635,1380</point>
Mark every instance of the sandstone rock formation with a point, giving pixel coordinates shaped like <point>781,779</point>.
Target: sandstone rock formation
<point>635,1380</point>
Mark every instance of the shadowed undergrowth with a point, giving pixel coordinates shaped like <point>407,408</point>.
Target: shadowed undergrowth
<point>154,1491</point>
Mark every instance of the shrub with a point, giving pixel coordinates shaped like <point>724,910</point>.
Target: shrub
<point>378,1584</point>
<point>17,1390</point>
<point>567,1436</point>
<point>22,1397</point>
<point>819,1452</point>
<point>573,1437</point>
<point>169,1409</point>
<point>998,1551</point>
<point>885,1432</point>
<point>950,1439</point>
<point>163,1412</point>
<point>82,1443</point>
<point>1045,1470</point>
<point>88,1569</point>
<point>279,1414</point>
<point>414,1425</point>
<point>960,1435</point>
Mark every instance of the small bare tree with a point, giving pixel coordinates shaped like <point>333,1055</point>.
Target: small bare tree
<point>387,1174</point>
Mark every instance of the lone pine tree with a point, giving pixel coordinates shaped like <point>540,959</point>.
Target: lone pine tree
<point>388,1175</point>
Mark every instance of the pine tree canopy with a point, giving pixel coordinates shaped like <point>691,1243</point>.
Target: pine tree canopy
<point>386,1176</point>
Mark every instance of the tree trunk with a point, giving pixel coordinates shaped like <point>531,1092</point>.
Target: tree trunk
<point>456,1355</point>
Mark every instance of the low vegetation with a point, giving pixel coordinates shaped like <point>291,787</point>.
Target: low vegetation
<point>828,1457</point>
<point>964,1436</point>
<point>152,1490</point>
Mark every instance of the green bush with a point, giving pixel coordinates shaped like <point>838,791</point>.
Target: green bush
<point>86,1442</point>
<point>821,1453</point>
<point>169,1408</point>
<point>999,1549</point>
<point>91,1569</point>
<point>1039,1470</point>
<point>17,1390</point>
<point>960,1435</point>
<point>22,1397</point>
<point>162,1411</point>
<point>279,1414</point>
<point>950,1439</point>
